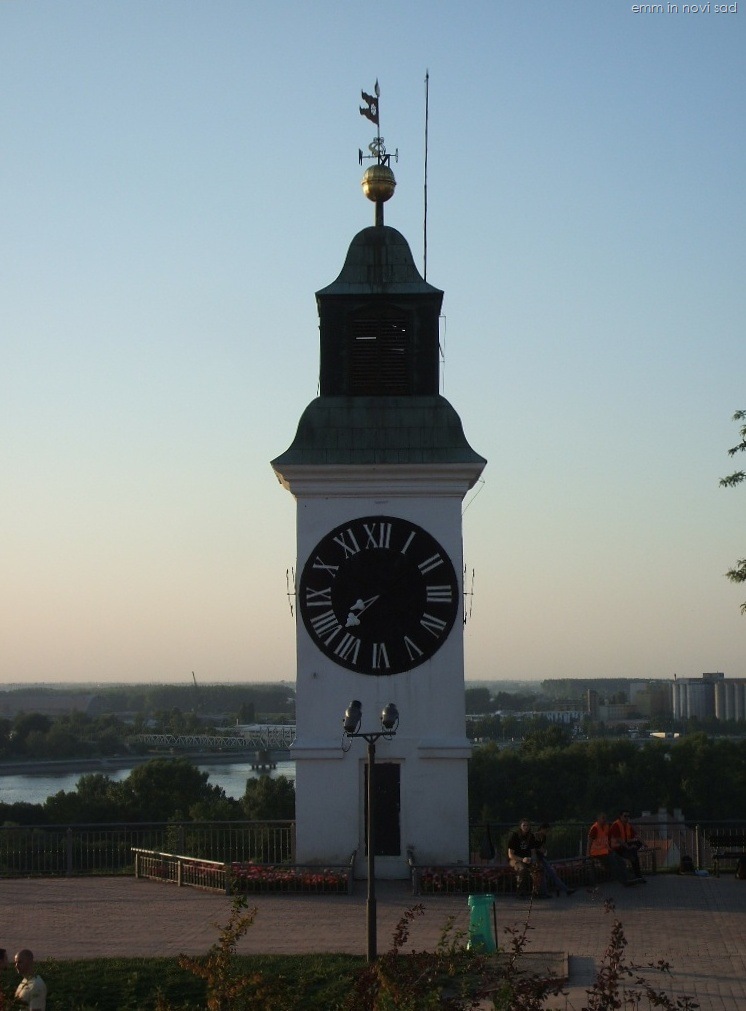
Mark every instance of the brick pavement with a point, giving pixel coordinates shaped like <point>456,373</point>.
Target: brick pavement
<point>697,924</point>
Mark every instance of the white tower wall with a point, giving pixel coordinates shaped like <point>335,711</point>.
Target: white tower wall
<point>430,745</point>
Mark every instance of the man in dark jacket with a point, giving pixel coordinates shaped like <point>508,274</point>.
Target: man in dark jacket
<point>522,847</point>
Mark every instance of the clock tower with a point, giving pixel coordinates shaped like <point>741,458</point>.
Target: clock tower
<point>379,467</point>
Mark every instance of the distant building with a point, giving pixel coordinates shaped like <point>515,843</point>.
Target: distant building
<point>712,695</point>
<point>567,716</point>
<point>615,712</point>
<point>592,703</point>
<point>651,699</point>
<point>730,700</point>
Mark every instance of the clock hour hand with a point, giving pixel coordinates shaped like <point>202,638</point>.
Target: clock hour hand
<point>360,605</point>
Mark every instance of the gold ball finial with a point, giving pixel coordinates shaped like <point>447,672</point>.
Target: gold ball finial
<point>378,183</point>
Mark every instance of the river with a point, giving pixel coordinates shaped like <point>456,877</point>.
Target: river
<point>34,788</point>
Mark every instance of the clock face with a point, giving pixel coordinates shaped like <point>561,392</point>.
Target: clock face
<point>378,595</point>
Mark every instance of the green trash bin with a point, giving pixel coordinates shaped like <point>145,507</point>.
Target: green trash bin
<point>481,934</point>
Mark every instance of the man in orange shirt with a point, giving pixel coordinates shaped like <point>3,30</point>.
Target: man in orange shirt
<point>600,848</point>
<point>625,842</point>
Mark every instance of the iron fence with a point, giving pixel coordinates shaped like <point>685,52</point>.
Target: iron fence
<point>107,849</point>
<point>667,839</point>
<point>32,850</point>
<point>244,877</point>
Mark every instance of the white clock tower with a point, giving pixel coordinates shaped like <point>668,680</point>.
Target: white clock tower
<point>379,468</point>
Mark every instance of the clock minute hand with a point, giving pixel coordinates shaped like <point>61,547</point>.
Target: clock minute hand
<point>356,609</point>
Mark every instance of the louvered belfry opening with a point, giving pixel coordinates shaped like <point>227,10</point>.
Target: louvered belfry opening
<point>379,352</point>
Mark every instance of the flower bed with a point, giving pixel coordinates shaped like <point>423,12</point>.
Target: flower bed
<point>469,879</point>
<point>464,879</point>
<point>257,878</point>
<point>244,876</point>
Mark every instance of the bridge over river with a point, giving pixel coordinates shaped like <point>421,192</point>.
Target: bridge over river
<point>256,736</point>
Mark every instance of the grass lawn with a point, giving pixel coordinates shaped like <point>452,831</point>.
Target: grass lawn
<point>311,982</point>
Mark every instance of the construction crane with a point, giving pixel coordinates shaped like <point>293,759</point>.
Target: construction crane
<point>197,699</point>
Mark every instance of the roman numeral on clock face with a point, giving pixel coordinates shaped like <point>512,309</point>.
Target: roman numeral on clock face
<point>380,656</point>
<point>319,598</point>
<point>435,626</point>
<point>413,650</point>
<point>326,626</point>
<point>348,542</point>
<point>378,535</point>
<point>430,563</point>
<point>321,565</point>
<point>408,541</point>
<point>348,648</point>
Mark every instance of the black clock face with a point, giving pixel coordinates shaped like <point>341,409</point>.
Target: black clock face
<point>378,595</point>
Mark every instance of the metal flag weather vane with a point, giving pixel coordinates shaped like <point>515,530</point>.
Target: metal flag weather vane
<point>371,111</point>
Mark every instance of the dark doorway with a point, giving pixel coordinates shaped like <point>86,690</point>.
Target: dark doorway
<point>386,805</point>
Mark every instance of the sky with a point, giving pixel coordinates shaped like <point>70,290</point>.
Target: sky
<point>179,177</point>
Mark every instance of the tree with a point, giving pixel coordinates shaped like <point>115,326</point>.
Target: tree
<point>166,788</point>
<point>545,738</point>
<point>96,798</point>
<point>247,713</point>
<point>217,807</point>
<point>266,799</point>
<point>514,701</point>
<point>62,742</point>
<point>737,575</point>
<point>6,729</point>
<point>28,733</point>
<point>478,700</point>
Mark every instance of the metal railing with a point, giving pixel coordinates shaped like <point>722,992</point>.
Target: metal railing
<point>32,850</point>
<point>107,849</point>
<point>243,877</point>
<point>182,871</point>
<point>669,839</point>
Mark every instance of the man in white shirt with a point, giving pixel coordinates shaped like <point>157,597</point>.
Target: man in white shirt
<point>32,990</point>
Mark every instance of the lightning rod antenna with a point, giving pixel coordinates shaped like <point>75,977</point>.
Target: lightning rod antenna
<point>427,121</point>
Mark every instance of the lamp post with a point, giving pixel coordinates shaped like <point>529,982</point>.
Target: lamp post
<point>389,722</point>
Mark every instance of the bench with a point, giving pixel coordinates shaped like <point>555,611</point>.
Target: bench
<point>726,845</point>
<point>648,864</point>
<point>493,878</point>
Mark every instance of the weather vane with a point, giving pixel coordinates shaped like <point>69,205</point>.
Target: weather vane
<point>378,180</point>
<point>371,111</point>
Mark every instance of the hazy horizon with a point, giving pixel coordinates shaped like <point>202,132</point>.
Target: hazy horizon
<point>62,685</point>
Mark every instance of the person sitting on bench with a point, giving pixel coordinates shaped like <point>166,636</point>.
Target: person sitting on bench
<point>522,847</point>
<point>625,843</point>
<point>599,848</point>
<point>552,880</point>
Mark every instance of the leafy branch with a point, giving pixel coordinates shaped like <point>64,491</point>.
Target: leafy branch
<point>227,987</point>
<point>621,984</point>
<point>737,574</point>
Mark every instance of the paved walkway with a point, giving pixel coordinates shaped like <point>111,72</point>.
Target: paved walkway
<point>697,924</point>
